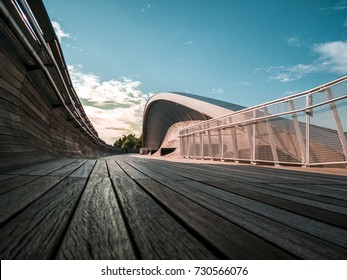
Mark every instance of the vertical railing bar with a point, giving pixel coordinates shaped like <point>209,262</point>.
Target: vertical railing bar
<point>298,131</point>
<point>337,119</point>
<point>271,138</point>
<point>254,136</point>
<point>308,121</point>
<point>201,144</point>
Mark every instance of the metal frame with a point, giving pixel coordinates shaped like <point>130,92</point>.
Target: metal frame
<point>290,117</point>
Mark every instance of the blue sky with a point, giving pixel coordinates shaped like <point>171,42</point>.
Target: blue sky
<point>243,51</point>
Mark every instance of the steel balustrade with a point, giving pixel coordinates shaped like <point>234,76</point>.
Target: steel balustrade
<point>308,129</point>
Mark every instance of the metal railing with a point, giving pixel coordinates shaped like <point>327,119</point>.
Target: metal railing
<point>308,129</point>
<point>68,97</point>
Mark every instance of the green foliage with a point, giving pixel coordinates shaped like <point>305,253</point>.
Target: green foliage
<point>128,143</point>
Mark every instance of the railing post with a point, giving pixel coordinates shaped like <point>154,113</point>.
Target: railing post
<point>181,146</point>
<point>271,138</point>
<point>298,131</point>
<point>234,143</point>
<point>209,141</point>
<point>254,137</point>
<point>337,119</point>
<point>308,121</point>
<point>201,144</point>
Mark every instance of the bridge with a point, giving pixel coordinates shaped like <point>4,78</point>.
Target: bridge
<point>63,195</point>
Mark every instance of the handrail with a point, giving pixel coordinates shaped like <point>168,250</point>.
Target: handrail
<point>255,120</point>
<point>38,33</point>
<point>40,63</point>
<point>317,139</point>
<point>287,98</point>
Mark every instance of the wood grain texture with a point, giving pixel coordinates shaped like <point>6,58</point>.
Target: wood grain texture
<point>262,219</point>
<point>36,232</point>
<point>15,182</point>
<point>229,239</point>
<point>84,170</point>
<point>157,235</point>
<point>16,200</point>
<point>97,230</point>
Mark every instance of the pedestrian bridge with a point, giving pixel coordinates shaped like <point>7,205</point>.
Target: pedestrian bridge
<point>64,196</point>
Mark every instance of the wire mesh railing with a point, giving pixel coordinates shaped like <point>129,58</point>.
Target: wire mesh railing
<point>309,128</point>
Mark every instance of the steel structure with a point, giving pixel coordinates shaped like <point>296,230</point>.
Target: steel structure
<point>167,108</point>
<point>307,129</point>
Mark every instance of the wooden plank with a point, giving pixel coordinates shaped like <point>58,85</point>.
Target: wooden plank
<point>228,239</point>
<point>51,167</point>
<point>317,210</point>
<point>84,170</point>
<point>67,169</point>
<point>324,205</point>
<point>15,182</point>
<point>130,171</point>
<point>9,115</point>
<point>36,232</point>
<point>114,169</point>
<point>321,190</point>
<point>31,168</point>
<point>287,174</point>
<point>100,168</point>
<point>157,235</point>
<point>308,225</point>
<point>5,85</point>
<point>97,230</point>
<point>14,161</point>
<point>263,224</point>
<point>11,203</point>
<point>4,177</point>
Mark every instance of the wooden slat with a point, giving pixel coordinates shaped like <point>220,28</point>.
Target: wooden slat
<point>157,235</point>
<point>84,170</point>
<point>100,169</point>
<point>230,240</point>
<point>16,200</point>
<point>51,167</point>
<point>33,167</point>
<point>271,227</point>
<point>15,182</point>
<point>36,232</point>
<point>97,230</point>
<point>67,169</point>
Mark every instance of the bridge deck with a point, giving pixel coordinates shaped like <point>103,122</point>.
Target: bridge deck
<point>123,207</point>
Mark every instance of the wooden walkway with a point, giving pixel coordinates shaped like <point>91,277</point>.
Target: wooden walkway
<point>124,207</point>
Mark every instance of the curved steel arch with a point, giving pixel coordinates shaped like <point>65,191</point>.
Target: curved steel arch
<point>167,108</point>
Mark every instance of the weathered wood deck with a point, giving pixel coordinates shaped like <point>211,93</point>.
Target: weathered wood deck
<point>124,207</point>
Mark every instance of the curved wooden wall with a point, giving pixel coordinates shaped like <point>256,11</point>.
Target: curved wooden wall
<point>35,123</point>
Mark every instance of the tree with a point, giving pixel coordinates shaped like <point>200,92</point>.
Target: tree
<point>128,143</point>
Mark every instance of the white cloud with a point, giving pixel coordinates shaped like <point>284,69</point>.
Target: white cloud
<point>148,6</point>
<point>294,41</point>
<point>331,57</point>
<point>59,31</point>
<point>245,83</point>
<point>188,42</point>
<point>114,107</point>
<point>218,90</point>
<point>339,6</point>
